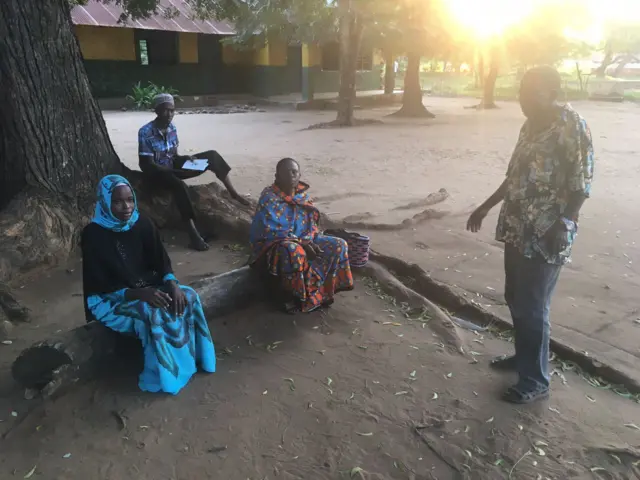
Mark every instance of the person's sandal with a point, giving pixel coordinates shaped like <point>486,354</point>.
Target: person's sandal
<point>522,396</point>
<point>504,363</point>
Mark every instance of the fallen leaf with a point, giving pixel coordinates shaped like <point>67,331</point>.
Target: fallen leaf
<point>597,469</point>
<point>292,383</point>
<point>31,472</point>
<point>449,375</point>
<point>540,452</point>
<point>66,455</point>
<point>468,453</point>
<point>7,342</point>
<point>265,392</point>
<point>520,427</point>
<point>617,458</point>
<point>14,414</point>
<point>498,462</point>
<point>413,374</point>
<point>632,425</point>
<point>321,352</point>
<point>368,434</point>
<point>591,399</point>
<point>355,470</point>
<point>329,381</point>
<point>540,443</point>
<point>435,396</point>
<point>490,420</point>
<point>554,410</point>
<point>403,392</point>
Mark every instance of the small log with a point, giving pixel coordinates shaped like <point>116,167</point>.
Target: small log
<point>80,354</point>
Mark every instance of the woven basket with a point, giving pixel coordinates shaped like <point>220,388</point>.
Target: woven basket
<point>359,246</point>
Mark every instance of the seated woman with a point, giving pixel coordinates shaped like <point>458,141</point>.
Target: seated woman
<point>308,267</point>
<point>129,286</point>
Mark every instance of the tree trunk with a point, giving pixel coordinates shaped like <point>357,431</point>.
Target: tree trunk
<point>489,84</point>
<point>579,75</point>
<point>412,97</point>
<point>80,354</point>
<point>389,72</point>
<point>350,38</point>
<point>488,91</point>
<point>480,83</point>
<point>54,145</point>
<point>606,61</point>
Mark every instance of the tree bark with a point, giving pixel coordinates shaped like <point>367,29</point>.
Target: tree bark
<point>412,105</point>
<point>489,85</point>
<point>389,72</point>
<point>606,61</point>
<point>488,91</point>
<point>350,38</point>
<point>80,354</point>
<point>480,77</point>
<point>54,145</point>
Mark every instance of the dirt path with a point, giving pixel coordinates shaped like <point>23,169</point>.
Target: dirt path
<point>320,397</point>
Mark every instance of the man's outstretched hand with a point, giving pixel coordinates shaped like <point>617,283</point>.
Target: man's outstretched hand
<point>474,224</point>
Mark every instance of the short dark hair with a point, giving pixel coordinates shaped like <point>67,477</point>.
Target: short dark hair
<point>286,160</point>
<point>546,75</point>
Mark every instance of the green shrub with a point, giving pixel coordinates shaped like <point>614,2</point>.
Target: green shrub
<point>142,96</point>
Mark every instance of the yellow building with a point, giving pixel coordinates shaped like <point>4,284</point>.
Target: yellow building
<point>192,57</point>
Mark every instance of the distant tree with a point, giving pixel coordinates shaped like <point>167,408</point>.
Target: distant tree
<point>621,46</point>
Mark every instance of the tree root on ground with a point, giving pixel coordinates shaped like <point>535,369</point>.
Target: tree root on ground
<point>413,112</point>
<point>432,199</point>
<point>418,218</point>
<point>483,106</point>
<point>440,322</point>
<point>356,122</point>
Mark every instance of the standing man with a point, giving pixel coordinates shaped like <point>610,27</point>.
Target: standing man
<point>548,179</point>
<point>162,166</point>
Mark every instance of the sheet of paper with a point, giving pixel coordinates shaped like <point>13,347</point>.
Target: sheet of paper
<point>199,164</point>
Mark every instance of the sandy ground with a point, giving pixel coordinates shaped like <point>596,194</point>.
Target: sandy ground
<point>346,389</point>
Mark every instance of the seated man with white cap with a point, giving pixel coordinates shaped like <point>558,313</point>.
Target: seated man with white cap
<point>163,167</point>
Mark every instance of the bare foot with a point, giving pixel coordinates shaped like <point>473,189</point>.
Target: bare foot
<point>198,243</point>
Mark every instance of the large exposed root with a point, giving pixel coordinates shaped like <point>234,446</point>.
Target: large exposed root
<point>440,322</point>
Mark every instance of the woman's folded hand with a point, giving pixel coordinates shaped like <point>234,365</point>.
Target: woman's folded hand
<point>152,296</point>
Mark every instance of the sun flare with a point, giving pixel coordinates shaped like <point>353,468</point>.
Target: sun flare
<point>489,18</point>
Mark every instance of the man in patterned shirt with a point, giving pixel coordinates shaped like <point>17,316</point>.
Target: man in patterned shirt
<point>162,166</point>
<point>548,179</point>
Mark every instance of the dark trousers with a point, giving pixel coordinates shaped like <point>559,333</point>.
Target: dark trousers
<point>172,180</point>
<point>529,285</point>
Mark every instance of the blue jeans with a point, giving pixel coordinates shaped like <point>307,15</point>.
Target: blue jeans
<point>529,285</point>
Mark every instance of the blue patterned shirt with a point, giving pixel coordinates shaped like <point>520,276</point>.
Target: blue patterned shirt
<point>546,167</point>
<point>162,146</point>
